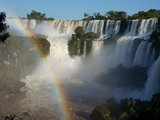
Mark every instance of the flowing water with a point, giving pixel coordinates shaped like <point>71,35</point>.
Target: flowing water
<point>78,75</point>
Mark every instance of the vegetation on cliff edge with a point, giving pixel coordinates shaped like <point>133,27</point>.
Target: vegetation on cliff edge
<point>38,16</point>
<point>128,109</point>
<point>80,40</point>
<point>122,15</point>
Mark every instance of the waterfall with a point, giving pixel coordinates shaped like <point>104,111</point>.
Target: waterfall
<point>140,28</point>
<point>85,49</point>
<point>152,84</point>
<point>127,51</point>
<point>130,48</point>
<point>132,28</point>
<point>144,54</point>
<point>96,47</point>
<point>112,27</point>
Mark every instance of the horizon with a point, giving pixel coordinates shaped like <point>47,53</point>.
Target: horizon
<point>74,9</point>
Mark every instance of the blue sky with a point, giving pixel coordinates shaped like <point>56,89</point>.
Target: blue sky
<point>74,9</point>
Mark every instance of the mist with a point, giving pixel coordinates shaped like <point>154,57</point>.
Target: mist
<point>111,70</point>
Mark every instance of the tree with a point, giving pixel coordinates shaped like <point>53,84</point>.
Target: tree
<point>38,16</point>
<point>80,40</point>
<point>129,109</point>
<point>153,13</point>
<point>98,16</point>
<point>156,106</point>
<point>51,18</point>
<point>146,14</point>
<point>42,45</point>
<point>3,28</point>
<point>122,14</point>
<point>75,45</point>
<point>86,15</point>
<point>101,113</point>
<point>92,35</point>
<point>116,15</point>
<point>79,32</point>
<point>114,107</point>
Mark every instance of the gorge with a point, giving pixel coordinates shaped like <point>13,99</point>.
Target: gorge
<point>122,63</point>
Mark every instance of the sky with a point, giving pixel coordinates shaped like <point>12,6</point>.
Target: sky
<point>74,9</point>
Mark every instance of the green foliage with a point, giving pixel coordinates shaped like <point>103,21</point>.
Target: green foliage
<point>98,16</point>
<point>79,40</point>
<point>42,45</point>
<point>3,28</point>
<point>91,36</point>
<point>79,32</point>
<point>73,47</point>
<point>155,104</point>
<point>116,15</point>
<point>38,16</point>
<point>88,46</point>
<point>51,18</point>
<point>95,16</point>
<point>100,113</point>
<point>129,109</point>
<point>145,15</point>
<point>114,107</point>
<point>123,116</point>
<point>122,15</point>
<point>86,15</point>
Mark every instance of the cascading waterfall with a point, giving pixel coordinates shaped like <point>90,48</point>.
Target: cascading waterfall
<point>112,27</point>
<point>144,54</point>
<point>135,29</point>
<point>152,85</point>
<point>130,49</point>
<point>96,47</point>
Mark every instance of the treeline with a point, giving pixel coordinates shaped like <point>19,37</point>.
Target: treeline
<point>128,109</point>
<point>38,16</point>
<point>122,15</point>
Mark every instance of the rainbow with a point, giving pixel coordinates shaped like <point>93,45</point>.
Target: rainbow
<point>60,94</point>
